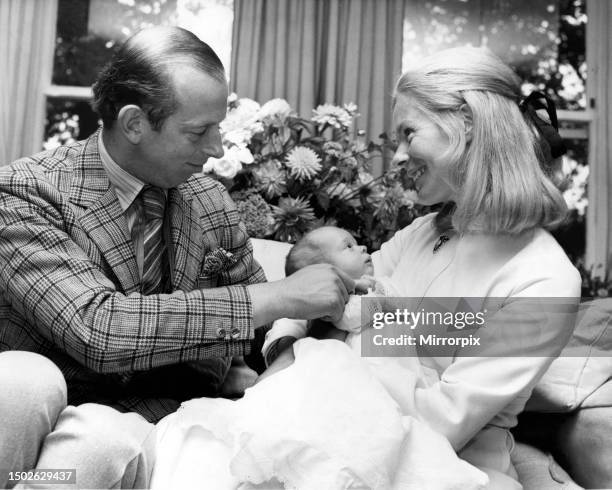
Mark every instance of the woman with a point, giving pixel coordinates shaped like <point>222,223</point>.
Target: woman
<point>466,140</point>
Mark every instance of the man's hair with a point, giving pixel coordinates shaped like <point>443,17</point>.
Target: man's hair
<point>140,73</point>
<point>505,178</point>
<point>306,251</point>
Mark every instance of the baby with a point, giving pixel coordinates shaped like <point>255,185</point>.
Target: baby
<point>339,248</point>
<point>331,419</point>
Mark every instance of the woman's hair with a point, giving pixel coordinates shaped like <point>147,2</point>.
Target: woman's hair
<point>505,176</point>
<point>140,73</point>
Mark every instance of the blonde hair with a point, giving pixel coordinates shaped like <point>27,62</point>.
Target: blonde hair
<point>506,181</point>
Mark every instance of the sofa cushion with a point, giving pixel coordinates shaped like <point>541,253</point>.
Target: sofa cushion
<point>584,365</point>
<point>271,256</point>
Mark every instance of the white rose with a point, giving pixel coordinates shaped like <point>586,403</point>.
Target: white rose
<point>208,166</point>
<point>227,166</point>
<point>242,154</point>
<point>238,137</point>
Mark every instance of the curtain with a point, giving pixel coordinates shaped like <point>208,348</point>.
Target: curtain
<point>27,41</point>
<point>315,51</point>
<point>599,91</point>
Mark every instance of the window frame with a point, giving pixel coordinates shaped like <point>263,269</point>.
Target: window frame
<point>596,63</point>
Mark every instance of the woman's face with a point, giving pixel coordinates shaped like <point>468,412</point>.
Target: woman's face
<point>421,150</point>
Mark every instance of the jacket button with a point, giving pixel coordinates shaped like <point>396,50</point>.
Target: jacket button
<point>235,333</point>
<point>221,332</point>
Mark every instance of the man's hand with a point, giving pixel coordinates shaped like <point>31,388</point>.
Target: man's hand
<point>316,291</point>
<point>319,291</point>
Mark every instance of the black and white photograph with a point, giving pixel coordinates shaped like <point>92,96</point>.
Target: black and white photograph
<point>306,244</point>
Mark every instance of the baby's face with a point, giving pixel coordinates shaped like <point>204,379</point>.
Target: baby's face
<point>342,251</point>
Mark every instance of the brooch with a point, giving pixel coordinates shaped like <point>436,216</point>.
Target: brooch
<point>218,260</point>
<point>442,239</point>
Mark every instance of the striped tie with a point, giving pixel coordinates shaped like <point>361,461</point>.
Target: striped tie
<point>154,267</point>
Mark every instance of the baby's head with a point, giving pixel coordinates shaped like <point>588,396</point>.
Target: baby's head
<point>330,245</point>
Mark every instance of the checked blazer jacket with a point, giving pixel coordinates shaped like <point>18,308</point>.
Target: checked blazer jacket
<point>70,287</point>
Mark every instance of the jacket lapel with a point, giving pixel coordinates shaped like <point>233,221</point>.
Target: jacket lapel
<point>103,219</point>
<point>185,247</point>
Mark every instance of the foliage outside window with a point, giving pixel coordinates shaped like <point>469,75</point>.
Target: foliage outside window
<point>543,41</point>
<point>88,32</point>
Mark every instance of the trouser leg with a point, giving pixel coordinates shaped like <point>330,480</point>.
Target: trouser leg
<point>33,395</point>
<point>584,440</point>
<point>539,471</point>
<point>106,448</point>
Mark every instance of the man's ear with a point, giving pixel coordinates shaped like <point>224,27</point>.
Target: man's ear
<point>132,121</point>
<point>466,113</point>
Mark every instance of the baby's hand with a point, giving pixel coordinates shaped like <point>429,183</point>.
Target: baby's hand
<point>364,284</point>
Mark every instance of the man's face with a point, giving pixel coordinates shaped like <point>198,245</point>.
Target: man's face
<point>189,136</point>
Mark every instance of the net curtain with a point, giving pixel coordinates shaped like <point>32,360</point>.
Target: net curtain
<point>314,51</point>
<point>27,41</point>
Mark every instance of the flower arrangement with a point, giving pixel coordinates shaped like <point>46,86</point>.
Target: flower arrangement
<point>289,174</point>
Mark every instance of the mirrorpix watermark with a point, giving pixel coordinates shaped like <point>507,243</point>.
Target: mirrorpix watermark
<point>465,327</point>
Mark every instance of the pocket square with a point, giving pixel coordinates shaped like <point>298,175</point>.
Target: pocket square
<point>217,260</point>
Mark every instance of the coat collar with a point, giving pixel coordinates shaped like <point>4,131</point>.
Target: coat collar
<point>186,235</point>
<point>105,223</point>
<point>102,218</point>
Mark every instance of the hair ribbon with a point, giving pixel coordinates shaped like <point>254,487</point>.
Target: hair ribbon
<point>549,130</point>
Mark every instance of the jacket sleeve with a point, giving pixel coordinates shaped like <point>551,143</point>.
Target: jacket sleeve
<point>61,295</point>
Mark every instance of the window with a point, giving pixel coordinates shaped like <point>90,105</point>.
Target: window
<point>544,41</point>
<point>88,32</point>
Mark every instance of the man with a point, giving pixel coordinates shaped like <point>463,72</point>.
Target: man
<point>130,270</point>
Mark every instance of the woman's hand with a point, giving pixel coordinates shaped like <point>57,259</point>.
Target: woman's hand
<point>364,284</point>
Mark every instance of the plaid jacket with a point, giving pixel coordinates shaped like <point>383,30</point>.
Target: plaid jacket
<point>70,288</point>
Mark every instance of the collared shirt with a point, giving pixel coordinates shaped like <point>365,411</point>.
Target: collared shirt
<point>127,187</point>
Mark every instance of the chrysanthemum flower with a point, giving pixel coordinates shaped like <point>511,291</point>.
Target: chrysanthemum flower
<point>270,178</point>
<point>293,217</point>
<point>333,149</point>
<point>333,115</point>
<point>303,162</point>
